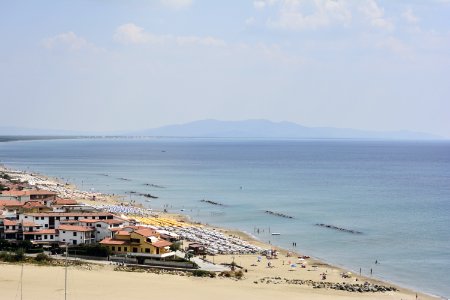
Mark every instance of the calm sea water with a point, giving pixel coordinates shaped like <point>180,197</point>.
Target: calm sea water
<point>396,193</point>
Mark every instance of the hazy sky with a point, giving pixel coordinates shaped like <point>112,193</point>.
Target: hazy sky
<point>121,65</point>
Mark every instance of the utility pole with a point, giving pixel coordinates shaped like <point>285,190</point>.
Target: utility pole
<point>65,275</point>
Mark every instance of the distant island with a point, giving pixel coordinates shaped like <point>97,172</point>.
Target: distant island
<point>233,129</point>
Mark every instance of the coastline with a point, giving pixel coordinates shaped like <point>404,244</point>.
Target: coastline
<point>280,267</point>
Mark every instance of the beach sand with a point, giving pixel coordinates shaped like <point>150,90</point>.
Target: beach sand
<point>44,282</point>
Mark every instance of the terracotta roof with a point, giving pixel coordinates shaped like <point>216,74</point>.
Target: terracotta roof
<point>30,224</point>
<point>44,231</point>
<point>123,232</point>
<point>75,228</point>
<point>68,221</point>
<point>146,232</point>
<point>28,193</point>
<point>110,241</point>
<point>10,203</point>
<point>69,214</point>
<point>7,222</point>
<point>36,204</point>
<point>110,221</point>
<point>161,244</point>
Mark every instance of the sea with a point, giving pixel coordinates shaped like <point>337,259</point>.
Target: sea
<point>395,193</point>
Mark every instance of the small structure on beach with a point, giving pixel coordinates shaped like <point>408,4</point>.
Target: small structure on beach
<point>197,248</point>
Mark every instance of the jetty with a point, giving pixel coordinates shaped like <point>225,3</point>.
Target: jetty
<point>274,213</point>
<point>212,202</point>
<point>154,185</point>
<point>146,195</point>
<point>339,228</point>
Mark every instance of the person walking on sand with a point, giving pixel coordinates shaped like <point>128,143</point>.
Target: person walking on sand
<point>370,271</point>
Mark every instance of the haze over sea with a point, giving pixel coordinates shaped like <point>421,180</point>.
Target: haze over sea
<point>396,193</point>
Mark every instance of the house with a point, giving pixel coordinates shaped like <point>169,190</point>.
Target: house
<point>11,229</point>
<point>76,235</point>
<point>102,227</point>
<point>47,197</point>
<point>197,248</point>
<point>140,242</point>
<point>53,220</point>
<point>10,208</point>
<point>44,236</point>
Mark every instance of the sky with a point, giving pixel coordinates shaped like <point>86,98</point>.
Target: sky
<point>109,65</point>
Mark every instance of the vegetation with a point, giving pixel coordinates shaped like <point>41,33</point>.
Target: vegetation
<point>176,246</point>
<point>90,250</point>
<point>202,273</point>
<point>5,245</point>
<point>232,274</point>
<point>42,258</point>
<point>17,256</point>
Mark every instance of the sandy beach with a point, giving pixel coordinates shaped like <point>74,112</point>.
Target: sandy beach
<point>43,282</point>
<point>260,280</point>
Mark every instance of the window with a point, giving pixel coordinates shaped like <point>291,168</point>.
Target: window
<point>51,236</point>
<point>76,218</point>
<point>42,218</point>
<point>113,248</point>
<point>135,249</point>
<point>64,232</point>
<point>67,218</point>
<point>147,250</point>
<point>45,237</point>
<point>125,249</point>
<point>119,248</point>
<point>99,225</point>
<point>57,218</point>
<point>74,234</point>
<point>46,225</point>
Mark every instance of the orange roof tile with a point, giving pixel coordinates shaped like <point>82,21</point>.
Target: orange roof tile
<point>70,214</point>
<point>7,222</point>
<point>146,232</point>
<point>123,232</point>
<point>75,228</point>
<point>44,231</point>
<point>161,244</point>
<point>110,241</point>
<point>10,203</point>
<point>110,221</point>
<point>28,193</point>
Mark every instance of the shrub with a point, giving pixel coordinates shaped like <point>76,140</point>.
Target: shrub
<point>42,257</point>
<point>4,245</point>
<point>90,250</point>
<point>19,255</point>
<point>202,273</point>
<point>239,274</point>
<point>175,246</point>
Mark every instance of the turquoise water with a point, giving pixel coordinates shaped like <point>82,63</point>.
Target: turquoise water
<point>396,193</point>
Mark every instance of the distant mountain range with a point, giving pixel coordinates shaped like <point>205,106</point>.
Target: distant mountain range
<point>235,129</point>
<point>268,129</point>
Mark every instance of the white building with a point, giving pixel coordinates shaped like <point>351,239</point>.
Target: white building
<point>52,220</point>
<point>75,235</point>
<point>102,227</point>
